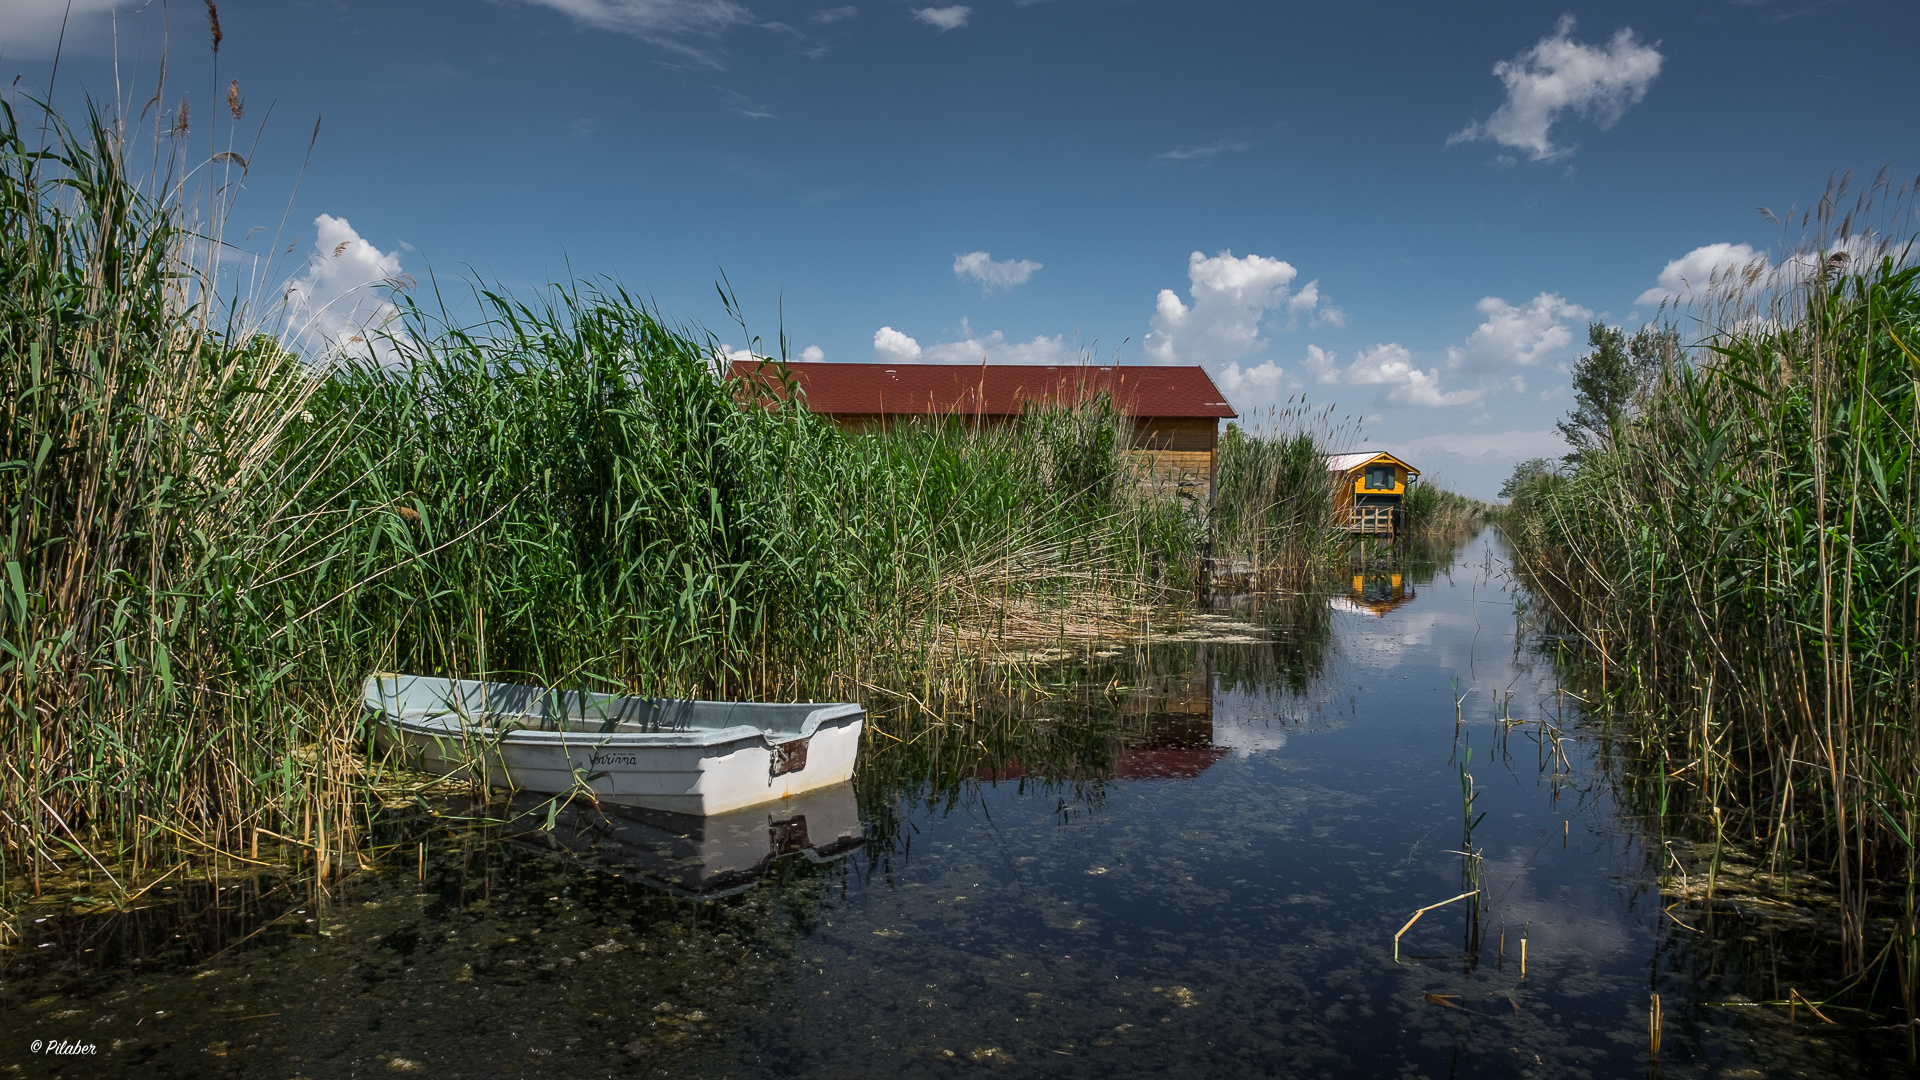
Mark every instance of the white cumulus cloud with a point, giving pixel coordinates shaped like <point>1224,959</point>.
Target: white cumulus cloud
<point>337,306</point>
<point>1391,367</point>
<point>1231,297</point>
<point>892,346</point>
<point>1523,335</point>
<point>1260,382</point>
<point>1690,276</point>
<point>812,354</point>
<point>948,18</point>
<point>1322,365</point>
<point>1003,274</point>
<point>1561,76</point>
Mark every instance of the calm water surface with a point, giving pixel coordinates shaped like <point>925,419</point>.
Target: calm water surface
<point>1195,864</point>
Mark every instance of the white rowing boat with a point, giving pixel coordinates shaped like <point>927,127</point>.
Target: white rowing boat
<point>684,757</point>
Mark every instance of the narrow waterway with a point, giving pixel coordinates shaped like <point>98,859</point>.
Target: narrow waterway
<point>1198,867</point>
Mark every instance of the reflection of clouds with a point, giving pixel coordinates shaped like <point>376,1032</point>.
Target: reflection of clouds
<point>1253,722</point>
<point>1249,737</point>
<point>1564,928</point>
<point>1428,635</point>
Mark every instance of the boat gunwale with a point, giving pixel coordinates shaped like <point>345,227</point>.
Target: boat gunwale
<point>452,722</point>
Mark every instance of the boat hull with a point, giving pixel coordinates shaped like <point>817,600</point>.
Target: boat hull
<point>762,754</point>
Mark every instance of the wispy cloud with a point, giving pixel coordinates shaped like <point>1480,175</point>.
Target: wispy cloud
<point>1510,445</point>
<point>667,23</point>
<point>1003,274</point>
<point>946,18</point>
<point>740,103</point>
<point>583,126</point>
<point>1204,150</point>
<point>835,14</point>
<point>1560,76</point>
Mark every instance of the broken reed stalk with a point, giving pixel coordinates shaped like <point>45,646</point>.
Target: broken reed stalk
<point>1653,1025</point>
<point>1416,918</point>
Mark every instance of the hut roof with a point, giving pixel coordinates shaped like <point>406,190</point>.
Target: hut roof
<point>1346,463</point>
<point>999,389</point>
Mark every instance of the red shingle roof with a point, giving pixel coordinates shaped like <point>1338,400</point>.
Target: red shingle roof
<point>938,389</point>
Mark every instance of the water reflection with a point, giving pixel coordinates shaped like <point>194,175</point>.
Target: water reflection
<point>1375,592</point>
<point>1182,857</point>
<point>702,858</point>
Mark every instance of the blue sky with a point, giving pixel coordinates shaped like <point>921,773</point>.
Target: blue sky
<point>1347,201</point>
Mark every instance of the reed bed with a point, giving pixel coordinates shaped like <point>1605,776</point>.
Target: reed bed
<point>1740,559</point>
<point>215,529</point>
<point>1275,504</point>
<point>1438,517</point>
<point>141,455</point>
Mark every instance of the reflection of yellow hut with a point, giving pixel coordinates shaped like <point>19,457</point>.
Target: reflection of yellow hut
<point>1368,489</point>
<point>1375,593</point>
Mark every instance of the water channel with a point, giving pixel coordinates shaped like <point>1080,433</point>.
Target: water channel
<point>1197,865</point>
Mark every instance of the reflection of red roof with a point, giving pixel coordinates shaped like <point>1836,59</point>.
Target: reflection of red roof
<point>938,389</point>
<point>1166,764</point>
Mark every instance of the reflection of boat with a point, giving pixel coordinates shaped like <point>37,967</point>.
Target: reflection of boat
<point>1374,593</point>
<point>687,757</point>
<point>699,857</point>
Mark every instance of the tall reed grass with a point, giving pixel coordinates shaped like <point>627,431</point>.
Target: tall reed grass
<point>1742,560</point>
<point>212,534</point>
<point>211,537</point>
<point>141,464</point>
<point>1275,504</point>
<point>1436,516</point>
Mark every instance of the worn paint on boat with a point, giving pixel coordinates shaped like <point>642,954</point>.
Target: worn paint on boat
<point>684,757</point>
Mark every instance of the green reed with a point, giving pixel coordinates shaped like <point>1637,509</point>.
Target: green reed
<point>141,454</point>
<point>1435,515</point>
<point>1275,502</point>
<point>1743,561</point>
<point>211,538</point>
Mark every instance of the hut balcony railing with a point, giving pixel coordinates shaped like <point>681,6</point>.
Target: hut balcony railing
<point>1371,521</point>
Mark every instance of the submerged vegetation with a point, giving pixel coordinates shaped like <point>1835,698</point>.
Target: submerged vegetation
<point>1737,547</point>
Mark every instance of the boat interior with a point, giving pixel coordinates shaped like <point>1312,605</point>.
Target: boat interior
<point>511,706</point>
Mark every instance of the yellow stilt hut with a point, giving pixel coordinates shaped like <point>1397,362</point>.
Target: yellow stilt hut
<point>1368,489</point>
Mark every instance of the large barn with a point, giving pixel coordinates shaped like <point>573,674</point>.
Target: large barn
<point>1174,412</point>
